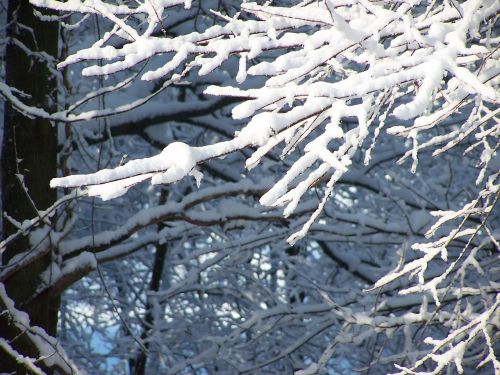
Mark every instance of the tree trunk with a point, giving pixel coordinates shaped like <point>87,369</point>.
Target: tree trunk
<point>138,365</point>
<point>29,150</point>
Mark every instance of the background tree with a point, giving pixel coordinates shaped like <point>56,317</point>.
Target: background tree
<point>206,279</point>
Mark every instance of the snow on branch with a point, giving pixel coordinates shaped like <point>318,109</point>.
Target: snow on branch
<point>50,352</point>
<point>453,347</point>
<point>175,211</point>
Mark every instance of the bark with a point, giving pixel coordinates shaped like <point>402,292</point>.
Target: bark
<point>29,150</point>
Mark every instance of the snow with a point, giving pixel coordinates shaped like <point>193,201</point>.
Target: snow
<point>21,359</point>
<point>434,73</point>
<point>181,159</point>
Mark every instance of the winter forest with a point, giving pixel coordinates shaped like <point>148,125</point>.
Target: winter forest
<point>250,187</point>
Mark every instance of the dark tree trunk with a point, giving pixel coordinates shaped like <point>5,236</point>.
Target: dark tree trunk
<point>138,365</point>
<point>29,149</point>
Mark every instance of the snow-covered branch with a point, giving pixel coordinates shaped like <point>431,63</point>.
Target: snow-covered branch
<point>427,59</point>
